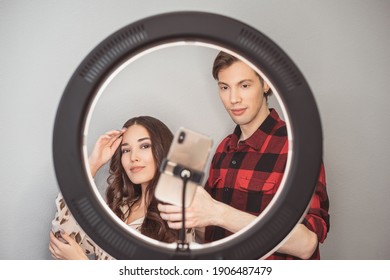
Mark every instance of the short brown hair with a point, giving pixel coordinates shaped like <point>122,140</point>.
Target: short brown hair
<point>224,60</point>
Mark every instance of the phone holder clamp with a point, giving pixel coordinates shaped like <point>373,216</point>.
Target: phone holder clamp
<point>181,171</point>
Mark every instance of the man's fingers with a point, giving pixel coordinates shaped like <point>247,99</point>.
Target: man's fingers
<point>175,225</point>
<point>174,217</point>
<point>168,208</point>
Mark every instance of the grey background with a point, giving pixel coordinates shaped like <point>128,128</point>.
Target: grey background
<point>341,47</point>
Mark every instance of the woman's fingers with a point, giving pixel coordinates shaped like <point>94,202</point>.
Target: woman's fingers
<point>53,246</point>
<point>115,133</point>
<point>67,238</point>
<point>104,149</point>
<point>114,136</point>
<point>115,144</point>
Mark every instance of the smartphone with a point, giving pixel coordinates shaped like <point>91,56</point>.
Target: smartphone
<point>189,149</point>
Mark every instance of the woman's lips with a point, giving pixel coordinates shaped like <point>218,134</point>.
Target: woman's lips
<point>136,169</point>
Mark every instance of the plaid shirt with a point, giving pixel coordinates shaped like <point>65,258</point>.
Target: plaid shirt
<point>247,174</point>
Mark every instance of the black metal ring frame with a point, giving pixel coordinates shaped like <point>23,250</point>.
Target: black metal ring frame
<point>282,73</point>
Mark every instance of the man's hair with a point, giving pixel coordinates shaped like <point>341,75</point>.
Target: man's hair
<point>224,60</point>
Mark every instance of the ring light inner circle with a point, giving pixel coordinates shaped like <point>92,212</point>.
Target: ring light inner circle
<point>109,79</point>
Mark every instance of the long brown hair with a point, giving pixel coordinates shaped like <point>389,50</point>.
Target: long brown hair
<point>122,192</point>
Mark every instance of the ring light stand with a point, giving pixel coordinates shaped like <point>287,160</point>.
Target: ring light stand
<point>289,85</point>
<point>185,174</point>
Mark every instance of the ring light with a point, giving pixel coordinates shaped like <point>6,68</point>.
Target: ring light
<point>298,104</point>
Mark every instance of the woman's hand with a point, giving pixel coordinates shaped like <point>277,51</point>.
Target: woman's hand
<point>104,149</point>
<point>65,251</point>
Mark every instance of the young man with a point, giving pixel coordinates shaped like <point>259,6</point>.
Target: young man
<point>247,168</point>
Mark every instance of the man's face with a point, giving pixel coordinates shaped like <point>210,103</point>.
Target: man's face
<point>242,93</point>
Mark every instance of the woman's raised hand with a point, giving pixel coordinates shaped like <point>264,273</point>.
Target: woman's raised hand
<point>104,149</point>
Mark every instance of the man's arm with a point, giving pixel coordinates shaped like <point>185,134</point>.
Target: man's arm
<point>205,211</point>
<point>300,243</point>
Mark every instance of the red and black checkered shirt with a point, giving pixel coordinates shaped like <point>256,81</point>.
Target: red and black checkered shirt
<point>247,174</point>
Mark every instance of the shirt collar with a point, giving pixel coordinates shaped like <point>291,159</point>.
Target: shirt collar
<point>256,140</point>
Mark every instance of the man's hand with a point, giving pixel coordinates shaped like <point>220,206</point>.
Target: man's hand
<point>206,211</point>
<point>200,213</point>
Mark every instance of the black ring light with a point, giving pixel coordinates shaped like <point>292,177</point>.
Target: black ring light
<point>305,130</point>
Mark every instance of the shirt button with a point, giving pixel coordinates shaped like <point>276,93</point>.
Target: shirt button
<point>234,162</point>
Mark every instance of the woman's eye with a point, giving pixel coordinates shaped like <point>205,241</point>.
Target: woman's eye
<point>125,151</point>
<point>145,146</point>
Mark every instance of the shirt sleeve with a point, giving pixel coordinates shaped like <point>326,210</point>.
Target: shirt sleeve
<point>317,218</point>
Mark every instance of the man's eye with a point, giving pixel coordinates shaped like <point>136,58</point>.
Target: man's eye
<point>223,88</point>
<point>245,86</point>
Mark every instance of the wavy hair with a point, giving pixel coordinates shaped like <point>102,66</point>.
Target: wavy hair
<point>121,192</point>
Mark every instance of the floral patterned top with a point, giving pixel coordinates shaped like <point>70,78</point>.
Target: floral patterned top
<point>64,220</point>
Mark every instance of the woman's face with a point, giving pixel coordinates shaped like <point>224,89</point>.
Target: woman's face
<point>137,157</point>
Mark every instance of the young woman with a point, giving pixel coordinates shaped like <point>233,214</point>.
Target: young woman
<point>135,152</point>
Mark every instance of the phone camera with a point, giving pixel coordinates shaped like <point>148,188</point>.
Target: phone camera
<point>182,136</point>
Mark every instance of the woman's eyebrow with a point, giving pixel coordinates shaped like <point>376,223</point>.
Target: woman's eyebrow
<point>142,139</point>
<point>139,140</point>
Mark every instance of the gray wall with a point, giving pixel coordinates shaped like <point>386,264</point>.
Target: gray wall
<point>340,46</point>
